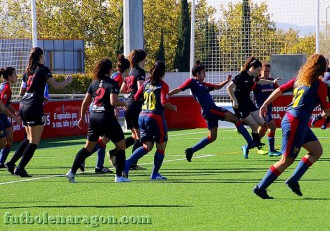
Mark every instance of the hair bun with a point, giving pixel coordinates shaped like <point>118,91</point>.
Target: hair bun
<point>198,62</point>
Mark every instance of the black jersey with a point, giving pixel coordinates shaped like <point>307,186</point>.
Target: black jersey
<point>100,91</point>
<point>244,85</point>
<point>35,85</point>
<point>135,75</point>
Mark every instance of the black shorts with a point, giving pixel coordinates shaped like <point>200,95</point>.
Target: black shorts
<point>104,126</point>
<point>245,107</point>
<point>132,115</point>
<point>31,115</point>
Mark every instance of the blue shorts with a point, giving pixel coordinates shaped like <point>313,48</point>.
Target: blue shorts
<point>4,124</point>
<point>153,128</point>
<point>214,115</point>
<point>294,135</point>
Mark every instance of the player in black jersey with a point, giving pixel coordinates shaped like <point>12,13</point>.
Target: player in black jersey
<point>31,109</point>
<point>103,92</point>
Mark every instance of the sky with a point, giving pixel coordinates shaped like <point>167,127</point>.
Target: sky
<point>298,12</point>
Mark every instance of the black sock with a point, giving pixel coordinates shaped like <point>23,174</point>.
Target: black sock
<point>136,145</point>
<point>80,158</point>
<point>19,151</point>
<point>129,141</point>
<point>120,162</point>
<point>27,155</point>
<point>256,137</point>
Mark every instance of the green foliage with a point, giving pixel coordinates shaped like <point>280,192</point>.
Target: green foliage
<point>120,36</point>
<point>79,85</point>
<point>182,54</point>
<point>160,54</point>
<point>156,20</point>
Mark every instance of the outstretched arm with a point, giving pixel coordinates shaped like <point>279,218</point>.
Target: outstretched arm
<point>275,94</point>
<point>174,91</point>
<point>222,84</point>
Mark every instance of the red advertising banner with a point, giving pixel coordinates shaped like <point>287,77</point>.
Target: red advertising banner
<point>61,120</point>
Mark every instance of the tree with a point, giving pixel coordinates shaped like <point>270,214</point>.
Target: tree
<point>160,54</point>
<point>120,36</point>
<point>156,21</point>
<point>182,54</point>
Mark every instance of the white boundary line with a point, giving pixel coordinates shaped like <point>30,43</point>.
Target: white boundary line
<point>62,175</point>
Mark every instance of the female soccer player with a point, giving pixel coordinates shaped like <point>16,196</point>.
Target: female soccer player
<point>211,113</point>
<point>9,77</point>
<point>103,91</point>
<point>239,91</point>
<point>308,92</point>
<point>154,93</point>
<point>122,68</point>
<point>31,109</point>
<point>261,93</point>
<point>130,86</point>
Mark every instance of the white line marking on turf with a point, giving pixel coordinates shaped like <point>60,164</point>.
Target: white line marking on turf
<point>62,175</point>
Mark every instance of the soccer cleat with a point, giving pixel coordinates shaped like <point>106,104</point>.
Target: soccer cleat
<point>137,167</point>
<point>323,126</point>
<point>262,152</point>
<point>82,167</point>
<point>2,165</point>
<point>294,186</point>
<point>274,153</point>
<point>121,179</point>
<point>158,176</point>
<point>112,157</point>
<point>71,177</point>
<point>21,173</point>
<point>189,154</point>
<point>10,167</point>
<point>245,150</point>
<point>262,193</point>
<point>102,170</point>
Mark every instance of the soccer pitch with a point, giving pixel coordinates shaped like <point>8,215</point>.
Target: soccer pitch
<point>213,192</point>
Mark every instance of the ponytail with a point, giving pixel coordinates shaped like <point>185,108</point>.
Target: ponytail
<point>157,72</point>
<point>197,68</point>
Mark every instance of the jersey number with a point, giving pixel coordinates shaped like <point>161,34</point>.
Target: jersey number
<point>297,96</point>
<point>149,101</point>
<point>98,96</point>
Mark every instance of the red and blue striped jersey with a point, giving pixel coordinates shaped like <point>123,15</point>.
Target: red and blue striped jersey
<point>306,98</point>
<point>200,91</point>
<point>262,92</point>
<point>154,97</point>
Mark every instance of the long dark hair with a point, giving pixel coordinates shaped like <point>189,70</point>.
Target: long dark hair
<point>122,63</point>
<point>197,68</point>
<point>34,58</point>
<point>102,69</point>
<point>6,72</point>
<point>136,56</point>
<point>157,72</point>
<point>251,62</point>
